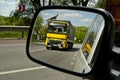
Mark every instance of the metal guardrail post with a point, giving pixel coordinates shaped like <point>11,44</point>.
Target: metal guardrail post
<point>21,29</point>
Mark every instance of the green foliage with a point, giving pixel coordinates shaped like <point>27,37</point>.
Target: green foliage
<point>100,4</point>
<point>39,29</point>
<point>80,33</point>
<point>24,19</point>
<point>38,3</point>
<point>15,21</point>
<point>3,20</point>
<point>12,34</point>
<point>60,2</point>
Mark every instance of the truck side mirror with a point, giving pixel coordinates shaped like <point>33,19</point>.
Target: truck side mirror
<point>59,51</point>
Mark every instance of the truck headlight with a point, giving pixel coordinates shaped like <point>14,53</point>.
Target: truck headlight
<point>62,42</point>
<point>48,40</point>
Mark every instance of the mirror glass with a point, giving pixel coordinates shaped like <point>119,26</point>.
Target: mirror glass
<point>66,39</point>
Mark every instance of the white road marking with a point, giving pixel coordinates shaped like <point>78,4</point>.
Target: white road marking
<point>22,70</point>
<point>115,72</point>
<point>74,58</point>
<point>72,63</point>
<point>37,50</point>
<point>75,55</point>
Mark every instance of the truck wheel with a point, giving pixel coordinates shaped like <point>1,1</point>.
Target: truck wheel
<point>47,47</point>
<point>71,46</point>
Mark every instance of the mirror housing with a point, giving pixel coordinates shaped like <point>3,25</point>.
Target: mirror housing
<point>104,46</point>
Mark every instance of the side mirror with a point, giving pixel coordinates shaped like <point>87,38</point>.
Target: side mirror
<point>50,44</point>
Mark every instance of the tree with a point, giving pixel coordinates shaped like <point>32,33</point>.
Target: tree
<point>100,4</point>
<point>2,20</point>
<point>80,2</point>
<point>29,9</point>
<point>38,28</point>
<point>32,6</point>
<point>80,33</point>
<point>22,18</point>
<point>38,3</point>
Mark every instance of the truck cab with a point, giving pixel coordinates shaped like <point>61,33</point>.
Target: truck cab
<point>59,34</point>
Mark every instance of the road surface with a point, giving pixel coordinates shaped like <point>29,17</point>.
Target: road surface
<point>14,64</point>
<point>62,58</point>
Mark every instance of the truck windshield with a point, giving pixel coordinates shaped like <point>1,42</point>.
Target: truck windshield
<point>57,28</point>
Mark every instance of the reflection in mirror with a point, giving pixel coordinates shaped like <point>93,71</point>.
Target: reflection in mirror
<point>66,38</point>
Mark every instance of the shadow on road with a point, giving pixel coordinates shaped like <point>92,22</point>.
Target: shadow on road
<point>66,50</point>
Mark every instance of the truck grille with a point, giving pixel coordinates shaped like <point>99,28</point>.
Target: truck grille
<point>55,42</point>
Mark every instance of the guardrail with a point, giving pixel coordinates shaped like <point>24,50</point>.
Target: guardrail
<point>22,29</point>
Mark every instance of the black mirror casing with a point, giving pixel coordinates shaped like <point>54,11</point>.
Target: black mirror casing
<point>104,47</point>
<point>102,67</point>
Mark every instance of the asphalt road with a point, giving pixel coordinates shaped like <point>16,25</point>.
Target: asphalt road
<point>62,58</point>
<point>14,64</point>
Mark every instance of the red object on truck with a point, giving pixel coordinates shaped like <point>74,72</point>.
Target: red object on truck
<point>113,6</point>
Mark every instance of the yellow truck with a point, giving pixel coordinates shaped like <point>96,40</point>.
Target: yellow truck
<point>92,36</point>
<point>60,34</point>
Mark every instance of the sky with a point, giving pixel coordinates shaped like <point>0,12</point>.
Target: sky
<point>7,6</point>
<point>77,18</point>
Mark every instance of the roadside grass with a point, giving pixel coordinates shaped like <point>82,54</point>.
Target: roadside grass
<point>12,34</point>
